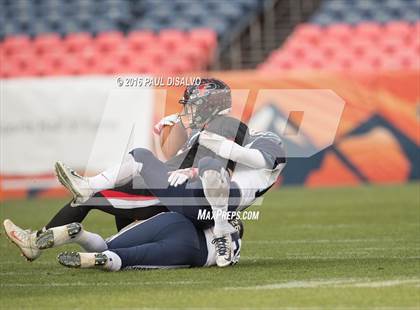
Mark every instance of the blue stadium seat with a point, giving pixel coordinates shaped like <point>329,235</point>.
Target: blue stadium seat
<point>182,24</point>
<point>10,29</point>
<point>102,25</point>
<point>355,11</point>
<point>149,24</point>
<point>70,26</point>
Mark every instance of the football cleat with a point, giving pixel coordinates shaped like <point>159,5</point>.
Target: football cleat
<point>74,182</point>
<point>236,247</point>
<point>82,260</point>
<point>23,239</point>
<point>223,247</point>
<point>47,239</point>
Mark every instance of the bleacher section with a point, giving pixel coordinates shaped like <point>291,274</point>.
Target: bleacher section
<point>170,52</point>
<point>53,37</point>
<point>359,11</point>
<point>336,40</point>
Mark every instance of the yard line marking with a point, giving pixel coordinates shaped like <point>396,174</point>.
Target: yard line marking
<point>294,284</point>
<point>289,257</point>
<point>334,283</point>
<point>91,284</point>
<point>304,241</point>
<point>9,262</point>
<point>386,283</point>
<point>27,273</point>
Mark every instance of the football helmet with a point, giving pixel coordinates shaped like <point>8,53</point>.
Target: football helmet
<point>205,100</point>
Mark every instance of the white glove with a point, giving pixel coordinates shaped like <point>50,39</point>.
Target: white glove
<point>181,176</point>
<point>169,120</point>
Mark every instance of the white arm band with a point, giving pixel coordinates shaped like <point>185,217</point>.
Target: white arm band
<point>230,150</point>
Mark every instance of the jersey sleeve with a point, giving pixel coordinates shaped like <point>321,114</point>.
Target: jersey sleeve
<point>272,151</point>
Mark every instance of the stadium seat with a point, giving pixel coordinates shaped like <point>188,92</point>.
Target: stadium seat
<point>108,41</point>
<point>138,40</point>
<point>46,43</point>
<point>367,46</point>
<point>15,44</point>
<point>339,32</point>
<point>309,33</point>
<point>75,42</point>
<point>368,30</point>
<point>172,38</point>
<point>193,54</point>
<point>203,37</point>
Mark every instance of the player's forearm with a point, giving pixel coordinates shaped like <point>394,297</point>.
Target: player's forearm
<point>228,149</point>
<point>248,157</point>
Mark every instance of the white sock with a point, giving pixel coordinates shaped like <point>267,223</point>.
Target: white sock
<point>61,235</point>
<point>114,261</point>
<point>91,242</point>
<point>221,224</point>
<point>116,175</point>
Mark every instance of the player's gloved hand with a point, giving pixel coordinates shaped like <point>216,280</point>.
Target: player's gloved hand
<point>181,176</point>
<point>169,120</point>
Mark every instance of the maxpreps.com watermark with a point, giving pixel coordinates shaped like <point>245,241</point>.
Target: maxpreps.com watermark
<point>159,81</point>
<point>228,215</point>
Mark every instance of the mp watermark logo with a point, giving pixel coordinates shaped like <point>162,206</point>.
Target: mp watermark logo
<point>306,120</point>
<point>247,215</point>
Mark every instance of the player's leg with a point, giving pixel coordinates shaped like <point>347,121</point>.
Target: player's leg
<point>71,233</point>
<point>129,213</point>
<point>26,239</point>
<point>167,240</point>
<point>216,186</point>
<point>83,188</point>
<point>122,221</point>
<point>213,193</point>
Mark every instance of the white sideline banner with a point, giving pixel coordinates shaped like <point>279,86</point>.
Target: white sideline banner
<point>86,122</point>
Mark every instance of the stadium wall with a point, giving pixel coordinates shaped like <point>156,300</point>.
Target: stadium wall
<point>376,138</point>
<point>87,122</point>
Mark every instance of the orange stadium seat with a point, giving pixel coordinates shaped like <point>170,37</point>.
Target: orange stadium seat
<point>369,31</point>
<point>75,42</point>
<point>15,44</point>
<point>80,53</point>
<point>309,33</point>
<point>172,38</point>
<point>339,32</point>
<point>138,40</point>
<point>365,47</point>
<point>108,41</point>
<point>46,43</point>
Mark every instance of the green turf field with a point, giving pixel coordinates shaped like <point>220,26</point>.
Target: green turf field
<point>355,248</point>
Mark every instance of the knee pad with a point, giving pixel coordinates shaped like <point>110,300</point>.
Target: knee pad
<point>141,155</point>
<point>208,163</point>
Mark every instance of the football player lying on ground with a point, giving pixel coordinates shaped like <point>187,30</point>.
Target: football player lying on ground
<point>166,240</point>
<point>260,162</point>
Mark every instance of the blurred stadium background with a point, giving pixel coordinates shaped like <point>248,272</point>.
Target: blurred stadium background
<point>59,61</point>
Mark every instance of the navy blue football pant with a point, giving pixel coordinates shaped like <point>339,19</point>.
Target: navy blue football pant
<point>166,240</point>
<point>155,174</point>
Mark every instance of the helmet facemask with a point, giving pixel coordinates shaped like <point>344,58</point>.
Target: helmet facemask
<point>205,101</point>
